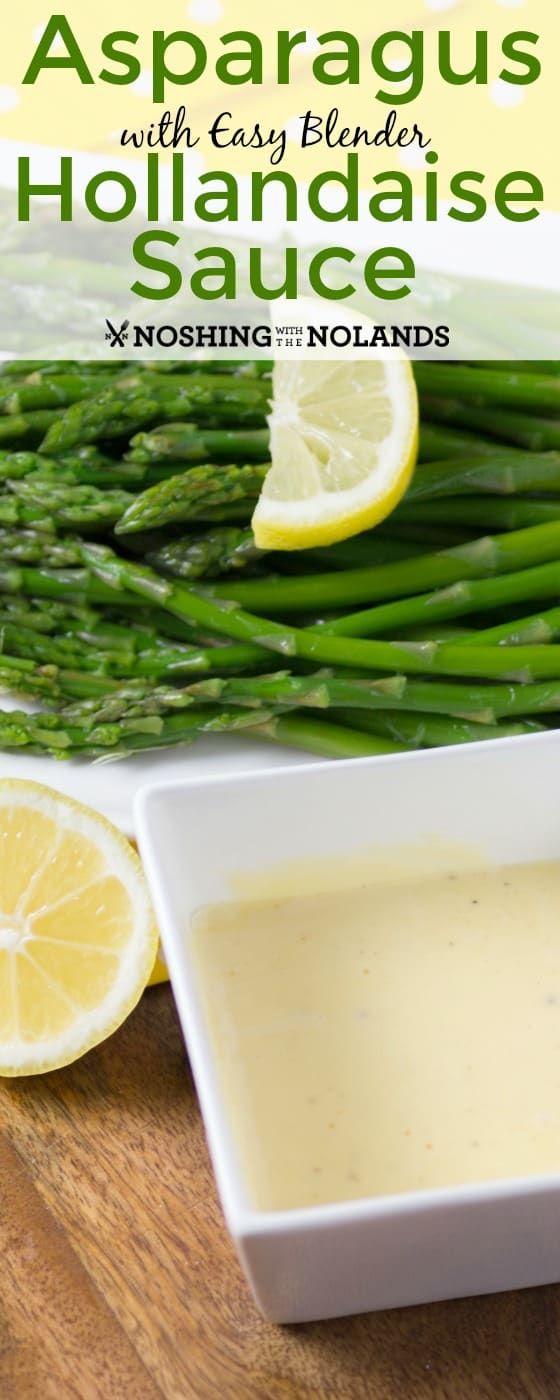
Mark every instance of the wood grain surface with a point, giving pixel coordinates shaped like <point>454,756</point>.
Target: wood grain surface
<point>118,1281</point>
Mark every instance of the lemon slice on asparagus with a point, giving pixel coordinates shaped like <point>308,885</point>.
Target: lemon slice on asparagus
<point>77,935</point>
<point>343,443</point>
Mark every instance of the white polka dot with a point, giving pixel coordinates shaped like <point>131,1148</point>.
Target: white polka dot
<point>506,94</point>
<point>205,11</point>
<point>311,43</point>
<point>38,32</point>
<point>440,4</point>
<point>413,158</point>
<point>397,57</point>
<point>294,130</point>
<point>9,99</point>
<point>144,84</point>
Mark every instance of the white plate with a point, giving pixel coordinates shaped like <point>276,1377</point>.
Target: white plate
<point>111,786</point>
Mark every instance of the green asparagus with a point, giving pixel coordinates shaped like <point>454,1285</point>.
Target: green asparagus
<point>27,430</point>
<point>507,474</point>
<point>123,657</point>
<point>189,495</point>
<point>439,443</point>
<point>219,551</point>
<point>457,600</point>
<point>58,740</point>
<point>478,511</point>
<point>520,390</point>
<point>53,392</point>
<point>431,731</point>
<point>481,558</point>
<point>519,429</point>
<point>324,690</point>
<point>77,507</point>
<point>519,663</point>
<point>116,413</point>
<point>538,628</point>
<point>36,547</point>
<point>188,443</point>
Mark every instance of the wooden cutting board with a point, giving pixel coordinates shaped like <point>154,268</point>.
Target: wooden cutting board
<point>118,1281</point>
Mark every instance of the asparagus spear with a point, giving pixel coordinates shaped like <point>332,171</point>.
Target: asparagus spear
<point>89,625</point>
<point>27,429</point>
<point>78,507</point>
<point>74,468</point>
<point>423,731</point>
<point>118,412</point>
<point>234,387</point>
<point>419,536</point>
<point>75,590</point>
<point>58,684</point>
<point>18,515</point>
<point>36,547</point>
<point>328,740</point>
<point>59,740</point>
<point>85,466</point>
<point>54,736</point>
<point>105,628</point>
<point>520,663</point>
<point>228,549</point>
<point>189,495</point>
<point>187,442</point>
<point>66,652</point>
<point>519,429</point>
<point>215,552</point>
<point>507,474</point>
<point>103,472</point>
<point>56,391</point>
<point>157,661</point>
<point>481,558</point>
<point>31,613</point>
<point>539,628</point>
<point>521,366</point>
<point>62,585</point>
<point>18,369</point>
<point>457,600</point>
<point>89,643</point>
<point>530,391</point>
<point>482,706</point>
<point>15,465</point>
<point>360,551</point>
<point>242,369</point>
<point>439,443</point>
<point>494,514</point>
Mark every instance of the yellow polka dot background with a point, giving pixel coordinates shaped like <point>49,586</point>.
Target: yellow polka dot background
<point>493,127</point>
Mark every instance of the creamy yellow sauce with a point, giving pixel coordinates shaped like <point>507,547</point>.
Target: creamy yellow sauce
<point>390,1037</point>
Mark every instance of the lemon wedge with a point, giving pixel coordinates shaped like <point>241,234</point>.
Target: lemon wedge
<point>77,934</point>
<point>159,971</point>
<point>343,444</point>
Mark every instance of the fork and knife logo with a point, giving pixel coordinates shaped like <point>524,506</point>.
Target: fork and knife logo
<point>117,338</point>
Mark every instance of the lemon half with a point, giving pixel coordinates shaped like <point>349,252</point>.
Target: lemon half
<point>77,934</point>
<point>343,444</point>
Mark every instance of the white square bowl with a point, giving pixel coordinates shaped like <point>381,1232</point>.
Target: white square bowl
<point>195,838</point>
